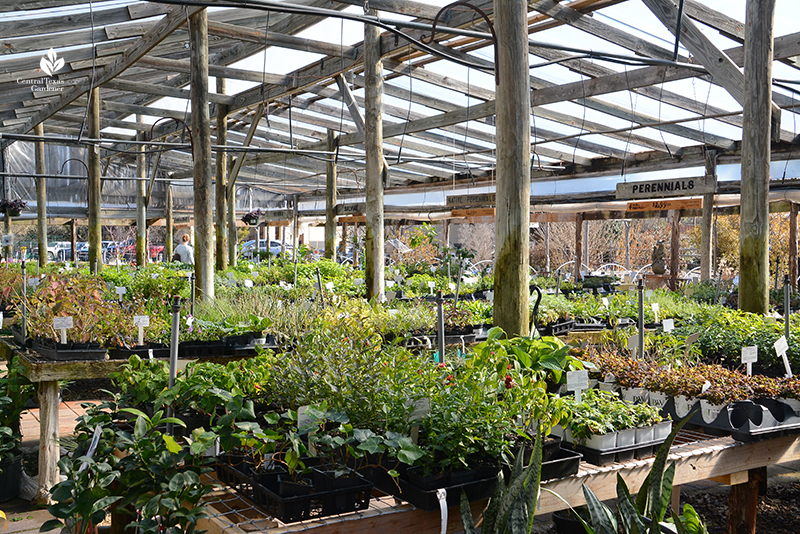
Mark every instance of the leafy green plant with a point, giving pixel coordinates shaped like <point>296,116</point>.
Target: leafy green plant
<point>512,507</point>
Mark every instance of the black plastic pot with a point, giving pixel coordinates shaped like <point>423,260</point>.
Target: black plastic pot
<point>10,476</point>
<point>429,482</point>
<point>566,522</point>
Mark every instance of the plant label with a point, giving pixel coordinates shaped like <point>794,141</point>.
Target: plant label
<point>691,339</point>
<point>230,276</point>
<point>605,302</point>
<point>669,325</point>
<point>62,323</point>
<point>633,342</point>
<point>189,320</point>
<point>360,281</point>
<point>490,296</point>
<point>303,419</point>
<point>154,276</point>
<point>655,309</point>
<point>121,290</point>
<point>706,386</point>
<point>33,282</point>
<point>452,286</point>
<point>749,357</point>
<point>398,279</point>
<point>422,408</point>
<point>149,354</point>
<point>141,320</point>
<point>8,240</point>
<point>329,286</point>
<point>390,283</point>
<point>1,319</point>
<point>648,293</point>
<point>431,285</point>
<point>248,283</point>
<point>433,269</point>
<point>397,271</point>
<point>250,266</point>
<point>391,295</point>
<point>781,346</point>
<point>609,378</point>
<point>577,380</point>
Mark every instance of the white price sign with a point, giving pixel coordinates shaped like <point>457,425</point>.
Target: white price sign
<point>633,342</point>
<point>781,347</point>
<point>141,320</point>
<point>605,302</point>
<point>577,381</point>
<point>669,325</point>
<point>62,322</point>
<point>248,283</point>
<point>655,309</point>
<point>121,290</point>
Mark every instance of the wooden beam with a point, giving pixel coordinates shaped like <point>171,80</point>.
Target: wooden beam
<point>330,198</point>
<point>154,36</point>
<point>239,161</point>
<point>176,65</point>
<point>94,185</point>
<point>754,225</point>
<point>743,503</point>
<point>220,187</point>
<point>233,31</point>
<point>375,169</point>
<point>722,68</point>
<point>350,101</point>
<point>119,84</point>
<point>201,154</point>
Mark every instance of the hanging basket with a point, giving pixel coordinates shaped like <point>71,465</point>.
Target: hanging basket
<point>13,213</point>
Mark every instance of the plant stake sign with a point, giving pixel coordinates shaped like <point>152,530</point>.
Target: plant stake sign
<point>62,323</point>
<point>248,283</point>
<point>749,357</point>
<point>431,285</point>
<point>633,342</point>
<point>121,290</point>
<point>141,321</point>
<point>690,340</point>
<point>605,302</point>
<point>669,325</point>
<point>655,309</point>
<point>781,346</point>
<point>422,409</point>
<point>577,381</point>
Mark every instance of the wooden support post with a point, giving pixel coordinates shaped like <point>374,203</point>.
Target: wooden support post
<point>743,503</point>
<point>141,199</point>
<point>754,215</point>
<point>627,245</point>
<point>343,242</point>
<point>74,240</point>
<point>95,224</point>
<point>169,247</point>
<point>512,226</point>
<point>330,198</point>
<point>355,245</point>
<point>547,247</point>
<point>793,243</point>
<point>578,247</point>
<point>295,226</point>
<point>48,440</point>
<point>220,199</point>
<point>707,223</point>
<point>446,232</point>
<point>230,212</point>
<point>675,250</point>
<point>41,196</point>
<point>375,169</point>
<point>586,257</point>
<point>201,147</point>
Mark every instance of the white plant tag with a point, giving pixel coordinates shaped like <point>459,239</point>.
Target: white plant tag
<point>452,286</point>
<point>250,266</point>
<point>189,321</point>
<point>121,290</point>
<point>490,296</point>
<point>605,302</point>
<point>577,381</point>
<point>781,346</point>
<point>390,283</point>
<point>302,418</point>
<point>329,286</point>
<point>669,325</point>
<point>358,282</point>
<point>648,293</point>
<point>230,276</point>
<point>8,240</point>
<point>691,339</point>
<point>154,276</point>
<point>633,342</point>
<point>655,309</point>
<point>62,323</point>
<point>141,320</point>
<point>247,282</point>
<point>391,295</point>
<point>149,354</point>
<point>749,357</point>
<point>706,386</point>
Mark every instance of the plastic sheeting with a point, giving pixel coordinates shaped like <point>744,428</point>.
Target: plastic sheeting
<point>68,197</point>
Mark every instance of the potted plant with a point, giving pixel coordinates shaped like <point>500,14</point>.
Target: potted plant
<point>251,218</point>
<point>12,208</point>
<point>15,390</point>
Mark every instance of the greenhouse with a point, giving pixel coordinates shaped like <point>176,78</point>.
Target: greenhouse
<point>283,265</point>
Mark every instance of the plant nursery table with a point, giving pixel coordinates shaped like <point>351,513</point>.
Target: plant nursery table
<point>47,373</point>
<point>697,455</point>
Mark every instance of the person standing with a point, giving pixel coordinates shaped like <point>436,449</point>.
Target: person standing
<point>184,252</point>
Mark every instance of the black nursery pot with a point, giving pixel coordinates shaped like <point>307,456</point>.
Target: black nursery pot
<point>10,476</point>
<point>429,482</point>
<point>567,522</point>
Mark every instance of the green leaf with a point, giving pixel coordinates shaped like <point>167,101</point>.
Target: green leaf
<point>631,520</point>
<point>666,491</point>
<point>363,434</point>
<point>490,515</point>
<point>495,333</point>
<point>51,525</point>
<point>692,521</point>
<point>140,428</point>
<point>656,476</point>
<point>177,482</point>
<point>409,456</point>
<point>466,515</point>
<point>534,480</point>
<point>102,504</point>
<point>172,445</point>
<point>134,411</point>
<point>602,518</point>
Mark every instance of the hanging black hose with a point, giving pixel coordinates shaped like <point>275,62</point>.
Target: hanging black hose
<point>536,309</point>
<point>678,31</point>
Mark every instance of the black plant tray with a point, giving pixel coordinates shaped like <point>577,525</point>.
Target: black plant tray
<point>70,351</point>
<point>201,349</point>
<point>143,351</point>
<point>564,464</point>
<point>480,488</point>
<point>588,324</point>
<point>557,329</point>
<point>617,454</point>
<point>744,420</point>
<point>245,344</point>
<point>301,507</point>
<point>22,341</point>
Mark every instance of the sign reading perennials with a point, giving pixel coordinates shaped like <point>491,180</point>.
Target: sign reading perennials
<point>674,187</point>
<point>482,199</point>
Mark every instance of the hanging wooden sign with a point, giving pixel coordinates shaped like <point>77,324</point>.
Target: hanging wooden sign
<point>353,219</point>
<point>661,205</point>
<point>355,208</point>
<point>473,212</point>
<point>471,200</point>
<point>278,214</point>
<point>673,187</point>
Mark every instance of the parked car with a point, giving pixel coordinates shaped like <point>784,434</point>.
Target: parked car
<point>275,247</point>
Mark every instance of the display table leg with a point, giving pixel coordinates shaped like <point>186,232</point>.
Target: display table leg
<point>743,503</point>
<point>48,440</point>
